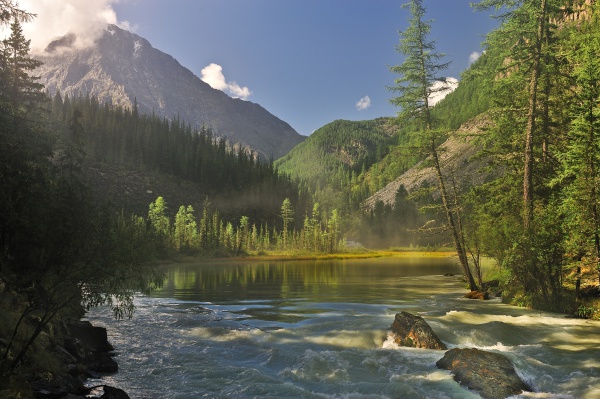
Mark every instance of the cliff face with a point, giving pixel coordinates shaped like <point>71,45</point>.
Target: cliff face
<point>122,68</point>
<point>456,157</point>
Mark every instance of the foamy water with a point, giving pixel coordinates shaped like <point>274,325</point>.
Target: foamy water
<point>329,339</point>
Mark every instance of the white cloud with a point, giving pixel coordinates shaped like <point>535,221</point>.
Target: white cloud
<point>55,18</point>
<point>439,90</point>
<point>213,75</point>
<point>363,103</point>
<point>474,56</point>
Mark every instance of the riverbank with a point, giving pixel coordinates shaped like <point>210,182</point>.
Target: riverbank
<point>287,256</point>
<point>57,361</point>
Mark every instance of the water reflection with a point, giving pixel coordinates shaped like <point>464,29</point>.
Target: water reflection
<point>323,280</point>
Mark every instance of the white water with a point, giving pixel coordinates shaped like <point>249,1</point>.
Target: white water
<point>305,333</point>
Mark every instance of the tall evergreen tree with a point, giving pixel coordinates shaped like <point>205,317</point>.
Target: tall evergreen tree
<point>17,85</point>
<point>581,158</point>
<point>414,87</point>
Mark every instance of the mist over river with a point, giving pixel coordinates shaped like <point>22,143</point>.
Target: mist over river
<point>319,329</point>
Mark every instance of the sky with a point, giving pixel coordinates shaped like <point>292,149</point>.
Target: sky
<point>308,62</point>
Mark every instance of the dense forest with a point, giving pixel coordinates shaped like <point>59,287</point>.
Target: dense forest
<point>536,215</point>
<point>64,249</point>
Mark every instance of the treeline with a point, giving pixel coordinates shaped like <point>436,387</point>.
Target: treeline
<point>117,135</point>
<point>211,235</point>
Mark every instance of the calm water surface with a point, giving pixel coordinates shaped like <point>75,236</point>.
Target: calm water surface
<point>318,329</point>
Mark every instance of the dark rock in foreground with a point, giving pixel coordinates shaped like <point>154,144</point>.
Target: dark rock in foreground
<point>490,374</point>
<point>413,331</point>
<point>114,393</point>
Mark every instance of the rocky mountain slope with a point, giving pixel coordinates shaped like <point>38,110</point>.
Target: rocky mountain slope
<point>457,159</point>
<point>122,68</point>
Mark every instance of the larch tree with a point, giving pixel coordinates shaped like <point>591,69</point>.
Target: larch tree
<point>287,215</point>
<point>416,84</point>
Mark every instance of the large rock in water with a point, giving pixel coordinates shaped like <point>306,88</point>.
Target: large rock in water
<point>490,374</point>
<point>413,331</point>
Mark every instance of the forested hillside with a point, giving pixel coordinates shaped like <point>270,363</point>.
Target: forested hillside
<point>536,214</point>
<point>346,162</point>
<point>114,137</point>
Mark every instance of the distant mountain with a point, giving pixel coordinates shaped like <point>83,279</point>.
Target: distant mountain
<point>341,143</point>
<point>122,68</point>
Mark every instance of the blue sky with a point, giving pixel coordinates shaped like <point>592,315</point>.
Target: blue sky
<point>308,62</point>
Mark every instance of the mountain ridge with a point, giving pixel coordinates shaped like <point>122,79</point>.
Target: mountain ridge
<point>123,69</point>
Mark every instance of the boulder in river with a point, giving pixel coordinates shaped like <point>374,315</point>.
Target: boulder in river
<point>490,374</point>
<point>411,330</point>
<point>478,295</point>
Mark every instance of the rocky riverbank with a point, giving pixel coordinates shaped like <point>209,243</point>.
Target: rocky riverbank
<point>85,353</point>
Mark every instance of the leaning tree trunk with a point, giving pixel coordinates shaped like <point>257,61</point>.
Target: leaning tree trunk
<point>460,250</point>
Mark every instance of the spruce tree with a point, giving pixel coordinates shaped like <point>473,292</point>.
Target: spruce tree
<point>414,87</point>
<point>17,86</point>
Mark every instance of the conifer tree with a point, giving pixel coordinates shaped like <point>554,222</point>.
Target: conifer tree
<point>581,158</point>
<point>414,87</point>
<point>287,215</point>
<point>17,86</point>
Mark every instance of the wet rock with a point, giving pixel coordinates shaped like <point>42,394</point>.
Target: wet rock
<point>478,295</point>
<point>411,330</point>
<point>93,338</point>
<point>114,393</point>
<point>102,363</point>
<point>90,346</point>
<point>490,374</point>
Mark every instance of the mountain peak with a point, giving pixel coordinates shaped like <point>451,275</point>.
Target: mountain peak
<point>122,67</point>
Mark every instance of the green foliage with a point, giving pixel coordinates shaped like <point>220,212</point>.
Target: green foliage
<point>539,217</point>
<point>212,236</point>
<point>419,71</point>
<point>586,311</point>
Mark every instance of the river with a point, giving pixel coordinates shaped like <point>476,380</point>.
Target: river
<point>319,329</point>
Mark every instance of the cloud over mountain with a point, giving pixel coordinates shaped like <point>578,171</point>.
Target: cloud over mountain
<point>441,90</point>
<point>86,19</point>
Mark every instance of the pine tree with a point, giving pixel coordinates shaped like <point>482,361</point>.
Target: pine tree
<point>581,158</point>
<point>287,215</point>
<point>17,86</point>
<point>414,87</point>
